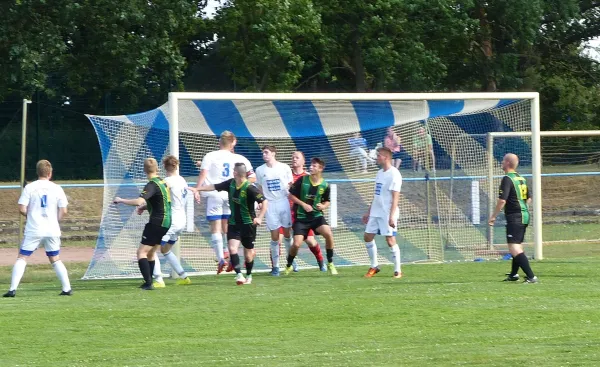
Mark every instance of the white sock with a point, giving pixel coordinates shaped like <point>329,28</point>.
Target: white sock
<point>395,250</point>
<point>175,264</point>
<point>275,253</point>
<point>372,251</point>
<point>216,241</point>
<point>287,241</point>
<point>157,270</point>
<point>225,247</point>
<point>17,273</point>
<point>62,274</point>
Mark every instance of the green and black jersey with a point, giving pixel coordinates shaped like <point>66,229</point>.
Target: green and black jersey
<point>513,189</point>
<point>310,193</point>
<point>158,200</point>
<point>241,200</point>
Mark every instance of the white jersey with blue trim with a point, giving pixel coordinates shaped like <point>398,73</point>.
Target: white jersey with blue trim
<point>219,166</point>
<point>385,183</point>
<point>274,181</point>
<point>43,198</point>
<point>178,187</point>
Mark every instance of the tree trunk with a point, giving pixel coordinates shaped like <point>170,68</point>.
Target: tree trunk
<point>488,78</point>
<point>359,65</point>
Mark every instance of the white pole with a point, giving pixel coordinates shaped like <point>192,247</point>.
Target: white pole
<point>475,208</point>
<point>23,156</point>
<point>537,177</point>
<point>173,125</point>
<point>189,213</point>
<point>333,208</point>
<point>490,179</point>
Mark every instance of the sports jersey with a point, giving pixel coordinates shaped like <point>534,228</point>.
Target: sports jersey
<point>386,182</point>
<point>158,201</point>
<point>241,200</point>
<point>311,194</point>
<point>219,165</point>
<point>178,187</point>
<point>43,198</point>
<point>274,180</point>
<point>513,189</point>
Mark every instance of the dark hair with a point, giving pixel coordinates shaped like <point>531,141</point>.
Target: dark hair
<point>387,151</point>
<point>272,148</point>
<point>319,161</point>
<point>240,167</point>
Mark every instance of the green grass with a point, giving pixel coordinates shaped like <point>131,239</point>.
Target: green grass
<point>438,315</point>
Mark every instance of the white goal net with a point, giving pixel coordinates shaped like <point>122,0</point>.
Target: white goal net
<point>443,204</point>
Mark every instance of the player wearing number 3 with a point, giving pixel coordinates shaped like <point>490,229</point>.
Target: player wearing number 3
<point>217,167</point>
<point>382,216</point>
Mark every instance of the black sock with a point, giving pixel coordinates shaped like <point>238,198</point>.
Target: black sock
<point>152,264</point>
<point>235,262</point>
<point>145,270</point>
<point>249,266</point>
<point>514,270</point>
<point>329,255</point>
<point>524,264</point>
<point>290,260</point>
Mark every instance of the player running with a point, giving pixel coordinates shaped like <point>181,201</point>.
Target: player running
<point>382,216</point>
<point>217,167</point>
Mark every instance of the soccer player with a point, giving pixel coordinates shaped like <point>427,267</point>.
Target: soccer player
<point>44,203</point>
<point>382,216</point>
<point>298,162</point>
<point>157,198</point>
<point>310,195</point>
<point>178,190</point>
<point>217,167</point>
<point>273,179</point>
<point>514,197</point>
<point>242,197</point>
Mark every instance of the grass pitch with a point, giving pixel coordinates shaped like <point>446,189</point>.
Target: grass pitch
<point>437,315</point>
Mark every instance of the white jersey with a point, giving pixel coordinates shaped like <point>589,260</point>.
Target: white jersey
<point>43,198</point>
<point>385,183</point>
<point>178,187</point>
<point>274,180</point>
<point>219,166</point>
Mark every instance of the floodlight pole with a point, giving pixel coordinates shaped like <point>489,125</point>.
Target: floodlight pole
<point>23,153</point>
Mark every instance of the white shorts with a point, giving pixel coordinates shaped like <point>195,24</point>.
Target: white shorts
<point>172,235</point>
<point>381,226</point>
<point>31,243</point>
<point>278,214</point>
<point>217,206</point>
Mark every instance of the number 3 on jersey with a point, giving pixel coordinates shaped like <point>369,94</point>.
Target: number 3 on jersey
<point>225,172</point>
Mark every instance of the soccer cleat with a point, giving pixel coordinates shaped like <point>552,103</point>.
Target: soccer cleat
<point>239,279</point>
<point>531,280</point>
<point>184,281</point>
<point>511,278</point>
<point>248,280</point>
<point>331,268</point>
<point>295,266</point>
<point>221,266</point>
<point>67,293</point>
<point>288,270</point>
<point>10,294</point>
<point>372,271</point>
<point>397,274</point>
<point>147,287</point>
<point>323,268</point>
<point>275,272</point>
<point>158,284</point>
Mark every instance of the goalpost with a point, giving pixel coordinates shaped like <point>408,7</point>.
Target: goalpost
<point>435,223</point>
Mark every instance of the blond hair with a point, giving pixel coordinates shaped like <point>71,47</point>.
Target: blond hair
<point>43,168</point>
<point>150,165</point>
<point>170,163</point>
<point>227,139</point>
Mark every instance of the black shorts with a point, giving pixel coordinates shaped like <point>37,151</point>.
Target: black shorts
<point>301,228</point>
<point>245,233</point>
<point>153,234</point>
<point>515,232</point>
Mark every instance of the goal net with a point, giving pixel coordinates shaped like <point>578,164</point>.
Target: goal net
<point>436,143</point>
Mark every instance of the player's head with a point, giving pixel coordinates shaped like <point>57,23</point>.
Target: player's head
<point>171,163</point>
<point>317,165</point>
<point>384,156</point>
<point>43,169</point>
<point>227,140</point>
<point>510,162</point>
<point>240,171</point>
<point>150,166</point>
<point>298,159</point>
<point>268,153</point>
<point>390,131</point>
